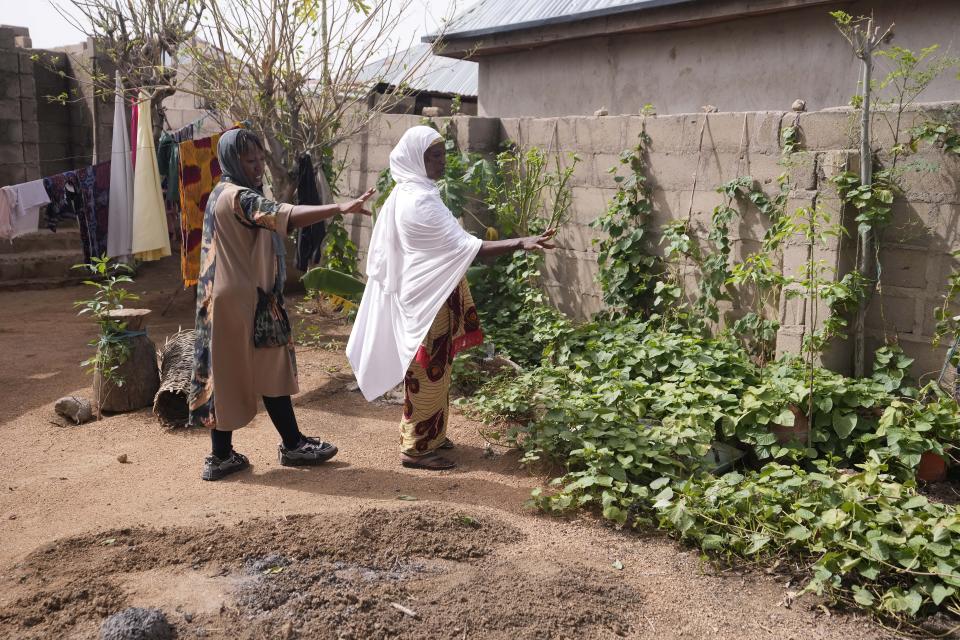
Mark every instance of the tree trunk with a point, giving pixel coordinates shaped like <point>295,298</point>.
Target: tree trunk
<point>140,376</point>
<point>865,259</point>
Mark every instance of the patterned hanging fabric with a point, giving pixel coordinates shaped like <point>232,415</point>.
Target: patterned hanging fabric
<point>199,174</point>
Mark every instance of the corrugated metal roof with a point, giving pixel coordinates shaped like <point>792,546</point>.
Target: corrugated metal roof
<point>499,16</point>
<point>435,74</point>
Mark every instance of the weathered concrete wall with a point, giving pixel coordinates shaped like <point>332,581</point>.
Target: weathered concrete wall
<point>748,64</point>
<point>19,155</point>
<point>689,156</point>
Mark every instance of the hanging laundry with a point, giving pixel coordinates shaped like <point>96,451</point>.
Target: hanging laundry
<point>187,132</point>
<point>120,229</point>
<point>134,120</point>
<point>199,173</point>
<point>93,231</point>
<point>66,200</point>
<point>309,239</point>
<point>20,208</point>
<point>151,240</point>
<point>168,159</point>
<point>101,199</point>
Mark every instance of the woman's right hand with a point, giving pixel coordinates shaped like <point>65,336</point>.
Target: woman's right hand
<point>538,243</point>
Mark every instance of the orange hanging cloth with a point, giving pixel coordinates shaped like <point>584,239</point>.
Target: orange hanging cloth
<point>199,174</point>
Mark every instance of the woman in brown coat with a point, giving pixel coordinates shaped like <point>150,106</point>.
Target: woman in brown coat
<point>244,347</point>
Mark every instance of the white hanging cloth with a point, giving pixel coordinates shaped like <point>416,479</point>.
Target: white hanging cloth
<point>120,216</point>
<point>418,255</point>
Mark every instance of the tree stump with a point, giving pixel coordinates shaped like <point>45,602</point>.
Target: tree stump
<point>139,373</point>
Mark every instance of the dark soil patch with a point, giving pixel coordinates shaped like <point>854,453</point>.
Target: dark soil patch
<point>380,573</point>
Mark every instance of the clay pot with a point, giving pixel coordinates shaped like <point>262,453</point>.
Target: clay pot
<point>795,434</point>
<point>932,467</point>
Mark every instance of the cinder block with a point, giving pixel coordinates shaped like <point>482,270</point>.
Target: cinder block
<point>944,225</point>
<point>9,86</point>
<point>7,35</point>
<point>509,129</point>
<point>9,62</point>
<point>481,135</point>
<point>10,109</point>
<point>801,168</point>
<point>28,108</point>
<point>893,314</point>
<point>31,154</point>
<point>758,132</point>
<point>903,267</point>
<point>11,174</point>
<point>27,85</point>
<point>913,223</point>
<point>589,203</point>
<point>826,130</point>
<point>11,153</point>
<point>579,237</point>
<point>602,163</point>
<point>937,180</point>
<point>602,134</point>
<point>26,61</point>
<point>584,174</point>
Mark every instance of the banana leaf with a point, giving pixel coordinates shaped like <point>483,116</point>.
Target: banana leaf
<point>333,282</point>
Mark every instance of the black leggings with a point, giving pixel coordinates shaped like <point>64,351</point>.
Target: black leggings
<point>280,410</point>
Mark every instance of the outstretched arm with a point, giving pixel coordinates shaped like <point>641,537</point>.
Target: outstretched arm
<point>304,215</point>
<point>491,248</point>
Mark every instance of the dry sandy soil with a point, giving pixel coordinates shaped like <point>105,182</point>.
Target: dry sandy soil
<point>358,548</point>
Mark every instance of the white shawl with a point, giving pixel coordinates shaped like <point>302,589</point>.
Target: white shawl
<point>418,255</point>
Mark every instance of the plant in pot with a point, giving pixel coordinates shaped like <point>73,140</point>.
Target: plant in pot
<point>111,345</point>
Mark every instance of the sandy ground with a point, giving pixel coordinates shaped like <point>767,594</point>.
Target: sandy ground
<point>319,552</point>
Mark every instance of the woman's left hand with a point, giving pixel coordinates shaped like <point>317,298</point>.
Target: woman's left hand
<point>356,206</point>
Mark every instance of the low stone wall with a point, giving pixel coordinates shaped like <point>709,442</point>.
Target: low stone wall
<point>689,156</point>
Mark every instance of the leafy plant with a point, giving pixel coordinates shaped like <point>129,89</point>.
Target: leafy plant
<point>525,195</point>
<point>111,346</point>
<point>628,270</point>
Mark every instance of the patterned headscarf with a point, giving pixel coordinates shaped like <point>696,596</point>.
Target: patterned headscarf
<point>232,145</point>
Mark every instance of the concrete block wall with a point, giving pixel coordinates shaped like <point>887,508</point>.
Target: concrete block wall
<point>689,155</point>
<point>19,161</point>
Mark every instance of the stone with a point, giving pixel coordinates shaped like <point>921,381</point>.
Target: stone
<point>709,108</point>
<point>122,458</point>
<point>431,112</point>
<point>74,408</point>
<point>601,112</point>
<point>798,105</point>
<point>136,623</point>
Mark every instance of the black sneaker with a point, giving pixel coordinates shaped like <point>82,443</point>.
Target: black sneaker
<point>214,468</point>
<point>311,451</point>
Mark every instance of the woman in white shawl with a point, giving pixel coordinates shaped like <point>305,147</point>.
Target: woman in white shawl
<point>417,311</point>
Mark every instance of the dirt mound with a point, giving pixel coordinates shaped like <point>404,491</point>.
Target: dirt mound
<point>409,572</point>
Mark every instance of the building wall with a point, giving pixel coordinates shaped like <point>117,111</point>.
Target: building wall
<point>689,156</point>
<point>750,64</point>
<point>19,133</point>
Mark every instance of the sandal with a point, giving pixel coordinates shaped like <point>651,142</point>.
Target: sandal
<point>447,444</point>
<point>430,462</point>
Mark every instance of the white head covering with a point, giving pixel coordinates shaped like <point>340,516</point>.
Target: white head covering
<point>418,255</point>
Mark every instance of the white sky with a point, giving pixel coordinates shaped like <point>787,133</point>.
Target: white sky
<point>49,29</point>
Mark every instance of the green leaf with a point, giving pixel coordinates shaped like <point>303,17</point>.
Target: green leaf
<point>862,596</point>
<point>939,593</point>
<point>785,418</point>
<point>798,532</point>
<point>844,423</point>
